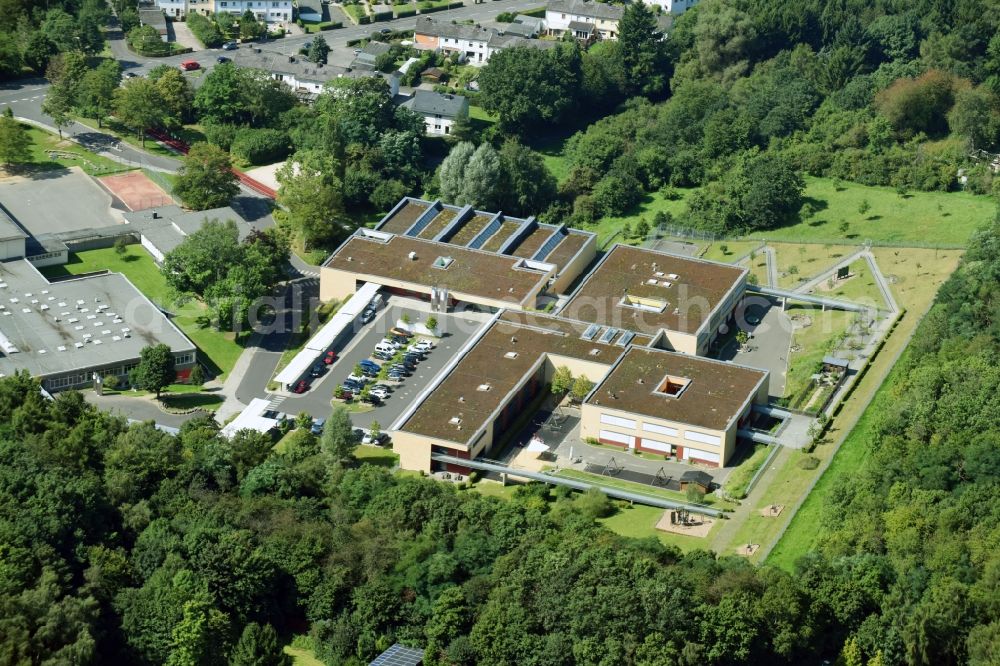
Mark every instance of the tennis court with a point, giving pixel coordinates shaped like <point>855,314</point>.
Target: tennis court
<point>136,190</point>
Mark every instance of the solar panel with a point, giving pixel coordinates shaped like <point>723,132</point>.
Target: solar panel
<point>625,339</point>
<point>609,335</point>
<point>590,332</point>
<point>399,655</point>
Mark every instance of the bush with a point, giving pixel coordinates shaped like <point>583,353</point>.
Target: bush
<point>594,503</point>
<point>406,12</point>
<point>809,462</point>
<point>382,16</point>
<point>220,135</point>
<point>146,41</point>
<point>205,30</point>
<point>505,17</point>
<point>260,146</point>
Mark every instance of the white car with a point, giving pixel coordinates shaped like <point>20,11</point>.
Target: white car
<point>355,378</point>
<point>423,346</point>
<point>368,439</point>
<point>379,393</point>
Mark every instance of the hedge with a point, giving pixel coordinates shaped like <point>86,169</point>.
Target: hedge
<point>429,8</point>
<point>406,13</point>
<point>206,31</point>
<point>382,16</point>
<point>260,146</point>
<point>357,14</point>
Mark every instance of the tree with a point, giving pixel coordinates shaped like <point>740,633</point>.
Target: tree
<point>431,323</point>
<point>581,388</point>
<point>97,89</point>
<point>642,229</point>
<point>121,246</point>
<point>375,430</point>
<point>258,646</point>
<point>206,180</point>
<point>642,53</point>
<point>562,380</point>
<point>318,50</point>
<point>529,88</point>
<point>250,27</point>
<point>155,370</point>
<point>203,258</point>
<point>338,440</point>
<point>199,637</point>
<point>976,116</point>
<point>197,376</point>
<point>58,105</point>
<point>140,105</point>
<point>920,104</point>
<point>312,193</point>
<point>742,338</point>
<point>483,179</point>
<point>451,174</point>
<point>694,494</point>
<point>220,97</point>
<point>15,142</point>
<point>528,186</point>
<point>175,91</point>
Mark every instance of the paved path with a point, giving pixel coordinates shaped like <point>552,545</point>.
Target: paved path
<point>882,283</point>
<point>772,266</point>
<point>816,281</point>
<point>138,408</point>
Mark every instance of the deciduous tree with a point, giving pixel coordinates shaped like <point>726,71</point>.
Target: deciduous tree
<point>206,180</point>
<point>155,370</point>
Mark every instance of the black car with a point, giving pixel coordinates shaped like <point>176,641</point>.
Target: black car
<point>415,358</point>
<point>352,385</point>
<point>382,356</point>
<point>402,369</point>
<point>399,339</point>
<point>223,59</point>
<point>317,370</point>
<point>229,46</point>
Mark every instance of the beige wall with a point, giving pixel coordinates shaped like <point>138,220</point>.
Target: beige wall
<point>571,271</point>
<point>338,284</point>
<point>676,341</point>
<point>594,370</point>
<point>591,426</point>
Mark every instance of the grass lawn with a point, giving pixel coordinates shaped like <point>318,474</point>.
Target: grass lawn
<point>42,142</point>
<point>938,218</point>
<point>733,252</point>
<point>915,275</point>
<point>639,522</point>
<point>738,479</point>
<point>814,341</point>
<point>302,656</point>
<point>494,489</point>
<point>218,348</point>
<point>610,482</point>
<point>651,204</point>
<point>355,12</point>
<point>860,287</point>
<point>798,262</point>
<point>376,455</point>
<point>481,120</point>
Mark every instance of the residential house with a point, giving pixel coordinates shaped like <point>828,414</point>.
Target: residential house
<point>368,56</point>
<point>473,42</point>
<point>674,7</point>
<point>155,19</point>
<point>584,20</point>
<point>305,78</point>
<point>269,11</point>
<point>528,27</point>
<point>440,112</point>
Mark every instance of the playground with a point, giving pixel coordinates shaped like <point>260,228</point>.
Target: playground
<point>136,191</point>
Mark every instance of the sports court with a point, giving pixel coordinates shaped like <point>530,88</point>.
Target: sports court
<point>136,190</point>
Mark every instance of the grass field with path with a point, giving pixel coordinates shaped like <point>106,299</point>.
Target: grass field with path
<point>91,163</point>
<point>217,348</point>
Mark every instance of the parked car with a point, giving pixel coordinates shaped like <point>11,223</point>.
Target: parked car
<point>329,357</point>
<point>370,365</point>
<point>382,356</point>
<point>352,386</point>
<point>384,31</point>
<point>317,370</point>
<point>367,316</point>
<point>229,46</point>
<point>413,356</point>
<point>425,345</point>
<point>360,379</point>
<point>130,75</point>
<point>401,369</point>
<point>343,393</point>
<point>317,426</point>
<point>376,302</point>
<point>400,332</point>
<point>371,399</point>
<point>221,59</point>
<point>400,340</point>
<point>301,387</point>
<point>377,441</point>
<point>190,65</point>
<point>395,375</point>
<point>380,393</point>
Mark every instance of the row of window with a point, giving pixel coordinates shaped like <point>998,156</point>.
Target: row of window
<point>80,378</point>
<point>661,447</point>
<point>691,435</point>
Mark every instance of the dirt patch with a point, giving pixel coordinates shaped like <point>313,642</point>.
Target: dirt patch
<point>826,285</point>
<point>136,190</point>
<point>747,550</point>
<point>694,525</point>
<point>772,511</point>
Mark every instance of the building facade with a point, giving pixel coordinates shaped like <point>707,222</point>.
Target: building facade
<point>439,111</point>
<point>584,20</point>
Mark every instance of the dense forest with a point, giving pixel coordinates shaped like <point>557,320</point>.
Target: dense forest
<point>123,544</point>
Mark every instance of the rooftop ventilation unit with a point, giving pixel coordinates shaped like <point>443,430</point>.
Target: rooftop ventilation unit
<point>483,387</point>
<point>72,320</point>
<point>510,355</point>
<point>26,310</point>
<point>443,262</point>
<point>673,276</point>
<point>455,421</point>
<point>78,345</point>
<point>412,256</point>
<point>595,352</point>
<point>78,328</point>
<point>61,347</point>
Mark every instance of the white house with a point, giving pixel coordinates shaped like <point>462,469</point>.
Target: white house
<point>475,43</point>
<point>585,20</point>
<point>674,7</point>
<point>439,111</point>
<point>270,11</point>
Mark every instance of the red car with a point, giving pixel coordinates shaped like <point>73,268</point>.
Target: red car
<point>301,387</point>
<point>189,65</point>
<point>330,357</point>
<point>400,332</point>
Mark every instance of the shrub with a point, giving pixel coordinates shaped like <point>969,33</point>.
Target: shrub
<point>809,462</point>
<point>220,135</point>
<point>260,146</point>
<point>406,12</point>
<point>205,30</point>
<point>505,17</point>
<point>382,16</point>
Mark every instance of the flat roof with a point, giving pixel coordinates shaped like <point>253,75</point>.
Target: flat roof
<point>646,290</point>
<point>9,229</point>
<point>472,272</point>
<point>560,252</point>
<point>105,314</point>
<point>173,224</point>
<point>715,393</point>
<point>531,337</point>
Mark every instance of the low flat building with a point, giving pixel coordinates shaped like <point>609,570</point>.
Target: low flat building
<point>13,238</point>
<point>528,27</point>
<point>439,111</point>
<point>469,409</point>
<point>162,229</point>
<point>369,55</point>
<point>671,404</point>
<point>583,19</point>
<point>64,332</point>
<point>154,18</point>
<point>684,302</point>
<point>456,254</point>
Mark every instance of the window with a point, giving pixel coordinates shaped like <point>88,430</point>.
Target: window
<point>655,445</point>
<point>704,456</point>
<point>608,419</point>
<point>617,437</point>
<point>447,129</point>
<point>695,436</point>
<point>660,430</point>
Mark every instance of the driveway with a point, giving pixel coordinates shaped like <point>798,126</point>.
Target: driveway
<point>184,36</point>
<point>138,408</point>
<point>770,332</point>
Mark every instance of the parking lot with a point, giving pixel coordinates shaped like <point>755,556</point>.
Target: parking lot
<point>456,330</point>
